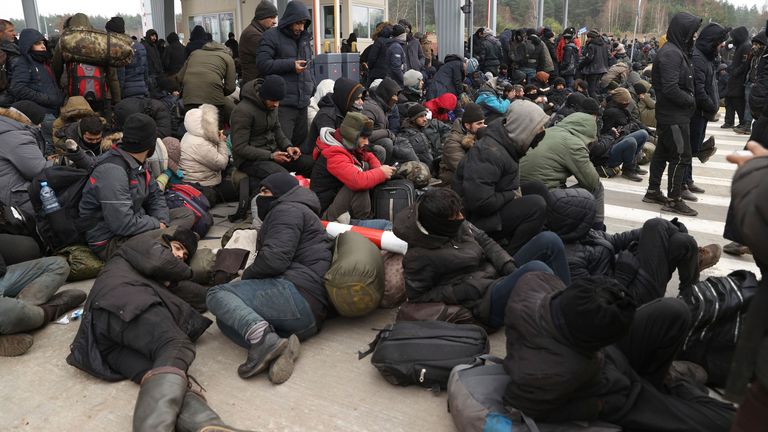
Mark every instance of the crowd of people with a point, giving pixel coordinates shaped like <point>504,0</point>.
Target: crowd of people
<point>491,138</point>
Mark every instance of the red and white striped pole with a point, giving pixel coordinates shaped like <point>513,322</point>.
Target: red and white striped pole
<point>384,240</point>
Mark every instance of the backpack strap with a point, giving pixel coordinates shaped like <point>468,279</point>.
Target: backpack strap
<point>530,423</point>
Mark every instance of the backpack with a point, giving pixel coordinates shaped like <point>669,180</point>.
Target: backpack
<point>424,352</point>
<point>475,402</point>
<point>65,227</point>
<point>88,81</point>
<point>355,280</point>
<point>185,195</point>
<point>392,196</point>
<point>434,311</point>
<point>717,305</point>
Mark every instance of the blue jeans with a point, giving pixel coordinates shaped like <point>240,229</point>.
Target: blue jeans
<point>380,224</point>
<point>547,248</point>
<point>529,73</point>
<point>240,305</point>
<point>625,151</point>
<point>503,289</point>
<point>24,287</point>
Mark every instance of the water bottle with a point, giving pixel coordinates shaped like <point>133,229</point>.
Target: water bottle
<point>48,198</point>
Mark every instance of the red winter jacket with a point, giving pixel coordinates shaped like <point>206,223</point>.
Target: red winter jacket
<point>441,106</point>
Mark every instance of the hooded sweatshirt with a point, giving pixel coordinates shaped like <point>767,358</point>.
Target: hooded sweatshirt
<point>739,67</point>
<point>673,72</point>
<point>209,75</point>
<point>174,55</point>
<point>704,81</point>
<point>154,61</point>
<point>563,153</point>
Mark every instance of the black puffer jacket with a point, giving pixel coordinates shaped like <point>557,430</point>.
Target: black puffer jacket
<point>595,57</point>
<point>151,107</point>
<point>333,108</point>
<point>293,244</point>
<point>704,66</point>
<point>759,94</point>
<point>174,55</point>
<point>448,79</point>
<point>131,282</point>
<point>739,67</point>
<point>460,270</point>
<point>551,380</point>
<point>589,252</point>
<point>418,140</point>
<point>278,52</point>
<point>673,73</point>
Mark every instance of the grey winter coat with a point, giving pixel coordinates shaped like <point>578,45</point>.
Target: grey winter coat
<point>279,51</point>
<point>414,55</point>
<point>122,202</point>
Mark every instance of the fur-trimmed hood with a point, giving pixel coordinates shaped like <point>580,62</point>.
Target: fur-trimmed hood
<point>14,114</point>
<point>203,122</point>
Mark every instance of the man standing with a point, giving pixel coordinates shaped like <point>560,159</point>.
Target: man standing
<point>154,60</point>
<point>594,64</point>
<point>287,51</point>
<point>737,75</point>
<point>264,19</point>
<point>675,105</point>
<point>8,50</point>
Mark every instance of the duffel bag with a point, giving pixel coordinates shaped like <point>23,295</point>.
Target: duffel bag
<point>98,47</point>
<point>83,263</point>
<point>355,280</point>
<point>475,401</point>
<point>424,352</point>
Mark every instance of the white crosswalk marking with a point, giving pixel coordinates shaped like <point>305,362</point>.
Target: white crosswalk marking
<point>625,210</point>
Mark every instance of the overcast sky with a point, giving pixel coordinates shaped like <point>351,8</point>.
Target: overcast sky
<point>12,8</point>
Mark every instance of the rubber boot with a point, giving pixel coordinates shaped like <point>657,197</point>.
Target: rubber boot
<point>197,416</point>
<point>160,399</point>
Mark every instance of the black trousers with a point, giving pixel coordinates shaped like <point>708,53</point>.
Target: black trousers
<point>521,220</point>
<point>593,80</point>
<point>698,129</point>
<point>673,146</point>
<point>663,247</point>
<point>261,169</point>
<point>17,249</point>
<point>294,123</point>
<point>734,106</point>
<point>657,333</point>
<point>149,341</point>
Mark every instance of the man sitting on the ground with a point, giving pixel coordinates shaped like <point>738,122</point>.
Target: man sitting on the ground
<point>86,132</point>
<point>259,146</point>
<point>28,299</point>
<point>345,171</point>
<point>453,262</point>
<point>121,198</point>
<point>460,139</point>
<point>380,102</point>
<point>281,298</point>
<point>583,353</point>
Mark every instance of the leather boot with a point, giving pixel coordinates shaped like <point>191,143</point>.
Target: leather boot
<point>160,399</point>
<point>61,303</point>
<point>197,416</point>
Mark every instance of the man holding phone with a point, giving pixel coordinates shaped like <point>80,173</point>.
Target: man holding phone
<point>259,146</point>
<point>286,50</point>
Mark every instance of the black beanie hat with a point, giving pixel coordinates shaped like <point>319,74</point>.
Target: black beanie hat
<point>593,312</point>
<point>186,237</point>
<point>264,10</point>
<point>472,113</point>
<point>279,183</point>
<point>387,88</point>
<point>640,88</point>
<point>593,34</point>
<point>416,110</point>
<point>273,88</point>
<point>590,106</point>
<point>34,112</point>
<point>115,25</point>
<point>558,80</point>
<point>397,30</point>
<point>139,133</point>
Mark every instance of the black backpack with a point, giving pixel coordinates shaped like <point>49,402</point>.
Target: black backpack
<point>717,305</point>
<point>424,352</point>
<point>391,197</point>
<point>65,227</point>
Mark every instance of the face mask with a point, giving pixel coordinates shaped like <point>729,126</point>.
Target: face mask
<point>447,228</point>
<point>537,139</point>
<point>40,56</point>
<point>357,106</point>
<point>264,205</point>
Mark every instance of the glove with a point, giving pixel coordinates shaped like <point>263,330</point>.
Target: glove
<point>70,145</point>
<point>509,267</point>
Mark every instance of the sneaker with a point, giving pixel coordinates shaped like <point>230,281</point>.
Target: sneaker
<point>726,126</point>
<point>631,175</point>
<point>282,368</point>
<point>15,344</point>
<point>688,195</point>
<point>709,255</point>
<point>680,207</point>
<point>261,354</point>
<point>686,371</point>
<point>695,189</point>
<point>655,197</point>
<point>738,249</point>
<point>742,130</point>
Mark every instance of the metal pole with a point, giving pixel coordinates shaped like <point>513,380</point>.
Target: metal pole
<point>540,15</point>
<point>634,34</point>
<point>565,15</point>
<point>471,30</point>
<point>422,19</point>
